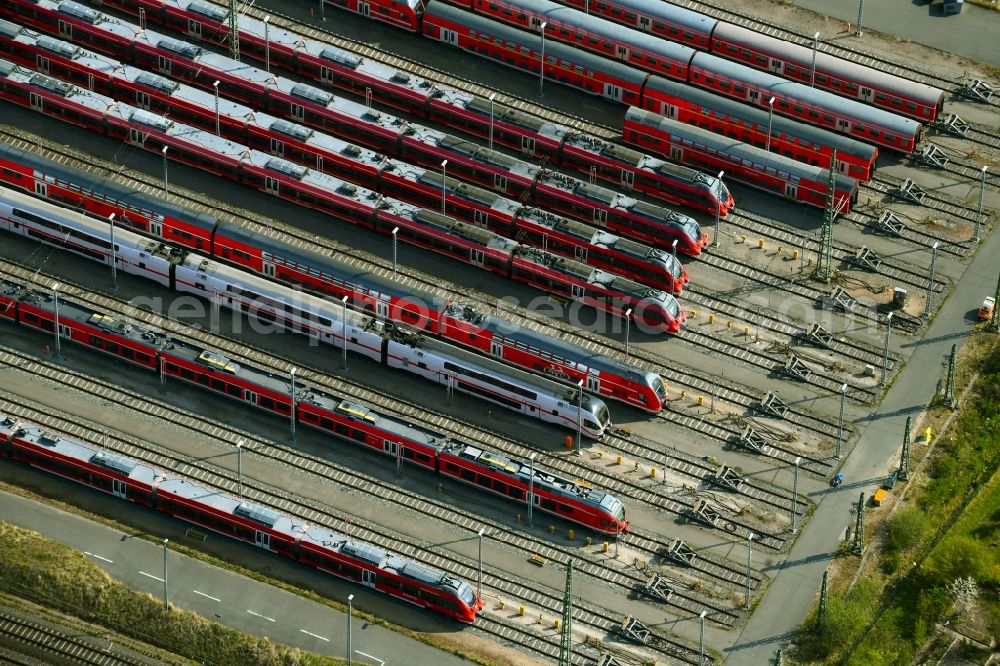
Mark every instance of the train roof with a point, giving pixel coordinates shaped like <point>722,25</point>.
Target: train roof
<point>710,102</point>
<point>66,447</point>
<point>598,26</point>
<point>553,49</point>
<point>819,99</point>
<point>826,63</point>
<point>686,18</point>
<point>729,146</point>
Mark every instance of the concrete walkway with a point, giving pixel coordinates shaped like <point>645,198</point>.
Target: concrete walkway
<point>797,578</point>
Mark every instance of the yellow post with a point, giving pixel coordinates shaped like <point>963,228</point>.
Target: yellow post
<point>795,254</point>
<point>760,243</point>
<point>746,331</point>
<point>556,622</point>
<point>779,250</point>
<point>572,534</point>
<point>652,472</point>
<point>618,460</point>
<point>692,314</point>
<point>604,547</point>
<point>701,400</point>
<point>743,238</point>
<point>928,433</point>
<point>520,610</point>
<point>711,318</point>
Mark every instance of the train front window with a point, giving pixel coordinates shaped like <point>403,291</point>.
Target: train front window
<point>659,388</point>
<point>466,594</point>
<point>603,415</point>
<point>673,266</point>
<point>673,307</point>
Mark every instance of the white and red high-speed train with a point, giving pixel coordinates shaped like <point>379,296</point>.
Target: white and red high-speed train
<point>465,324</point>
<point>384,342</point>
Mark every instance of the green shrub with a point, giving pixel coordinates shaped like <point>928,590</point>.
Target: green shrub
<point>958,556</point>
<point>904,529</point>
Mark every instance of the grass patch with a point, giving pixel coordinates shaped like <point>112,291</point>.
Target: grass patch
<point>49,573</point>
<point>947,528</point>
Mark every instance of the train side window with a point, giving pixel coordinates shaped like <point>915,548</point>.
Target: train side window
<point>673,31</point>
<point>233,389</point>
<point>739,90</point>
<point>493,6</point>
<point>724,85</point>
<point>548,504</point>
<point>874,132</point>
<point>688,35</point>
<point>896,101</point>
<point>828,118</point>
<point>821,78</point>
<point>744,53</point>
<point>813,113</point>
<point>565,508</point>
<point>658,26</point>
<point>629,16</point>
<point>797,109</point>
<point>910,106</point>
<point>731,48</point>
<point>879,97</point>
<point>468,474</point>
<point>500,487</point>
<point>850,87</point>
<point>761,59</point>
<point>484,481</point>
<point>451,467</point>
<point>517,493</point>
<point>859,128</point>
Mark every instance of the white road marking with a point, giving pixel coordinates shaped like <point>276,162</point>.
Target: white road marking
<point>98,557</point>
<point>208,596</point>
<point>259,615</point>
<point>151,576</point>
<point>381,662</point>
<point>314,635</point>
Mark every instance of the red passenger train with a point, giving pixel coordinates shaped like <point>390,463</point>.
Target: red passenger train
<point>433,100</point>
<point>343,418</point>
<point>626,84</point>
<point>195,502</point>
<point>750,165</point>
<point>791,138</point>
<point>299,144</point>
<point>771,54</point>
<point>460,323</point>
<point>565,278</point>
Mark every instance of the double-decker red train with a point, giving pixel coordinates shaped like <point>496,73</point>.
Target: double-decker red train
<point>753,166</point>
<point>343,418</point>
<point>264,255</point>
<point>791,138</point>
<point>565,278</point>
<point>195,502</point>
<point>767,53</point>
<point>331,66</point>
<point>264,132</point>
<point>626,84</point>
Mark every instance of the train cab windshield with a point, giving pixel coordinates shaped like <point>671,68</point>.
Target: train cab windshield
<point>466,594</point>
<point>603,416</point>
<point>657,383</point>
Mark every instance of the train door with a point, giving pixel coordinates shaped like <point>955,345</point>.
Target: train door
<point>449,36</point>
<point>364,8</point>
<point>866,94</point>
<point>775,65</point>
<point>753,96</point>
<point>271,185</point>
<point>671,110</point>
<point>791,190</point>
<point>390,447</point>
<point>496,348</point>
<point>119,488</point>
<point>42,189</point>
<point>579,291</point>
<point>594,383</point>
<point>163,64</point>
<point>843,126</point>
<point>142,99</point>
<point>65,29</point>
<point>42,64</point>
<point>277,147</point>
<point>482,218</point>
<point>36,101</point>
<point>269,269</point>
<point>500,182</point>
<point>262,539</point>
<point>676,154</point>
<point>194,29</point>
<point>600,216</point>
<point>368,578</point>
<point>580,253</point>
<point>325,74</point>
<point>644,23</point>
<point>297,112</point>
<point>251,397</point>
<point>612,92</point>
<point>622,53</point>
<point>628,179</point>
<point>136,137</point>
<point>527,145</point>
<point>382,309</point>
<point>476,257</point>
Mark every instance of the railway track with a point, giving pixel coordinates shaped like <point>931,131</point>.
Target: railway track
<point>678,377</point>
<point>595,619</point>
<point>867,58</point>
<point>599,478</point>
<point>58,645</point>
